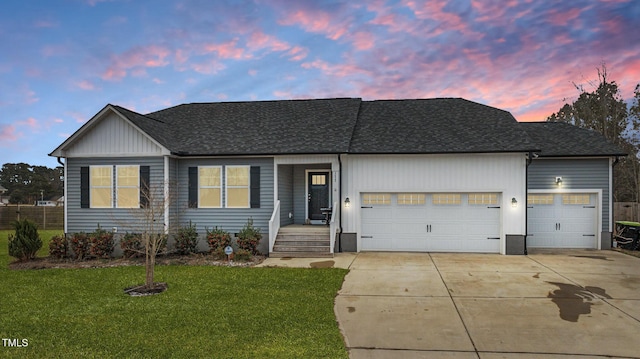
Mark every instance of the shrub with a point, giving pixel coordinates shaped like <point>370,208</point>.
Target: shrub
<point>249,237</point>
<point>131,245</point>
<point>218,239</point>
<point>186,240</point>
<point>79,244</point>
<point>101,243</point>
<point>242,255</point>
<point>58,247</point>
<point>26,242</point>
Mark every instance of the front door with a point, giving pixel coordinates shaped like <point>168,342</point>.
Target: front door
<point>318,194</point>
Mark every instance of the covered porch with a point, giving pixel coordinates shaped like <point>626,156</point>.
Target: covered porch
<point>305,219</point>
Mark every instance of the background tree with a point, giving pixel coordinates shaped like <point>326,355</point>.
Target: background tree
<point>604,110</point>
<point>25,182</point>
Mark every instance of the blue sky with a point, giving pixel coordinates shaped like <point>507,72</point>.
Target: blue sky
<point>63,61</point>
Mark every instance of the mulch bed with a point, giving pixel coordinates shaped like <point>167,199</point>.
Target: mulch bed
<point>200,259</point>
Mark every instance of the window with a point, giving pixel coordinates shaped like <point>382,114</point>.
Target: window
<point>318,179</point>
<point>580,198</point>
<point>540,199</point>
<point>446,198</point>
<point>127,186</point>
<point>100,182</point>
<point>376,198</point>
<point>210,189</point>
<point>411,198</point>
<point>237,185</point>
<point>483,198</point>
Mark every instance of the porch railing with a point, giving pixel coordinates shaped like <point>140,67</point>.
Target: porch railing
<point>333,228</point>
<point>274,225</point>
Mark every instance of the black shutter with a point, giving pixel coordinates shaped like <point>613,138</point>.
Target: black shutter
<point>144,186</point>
<point>193,187</point>
<point>254,177</point>
<point>84,187</point>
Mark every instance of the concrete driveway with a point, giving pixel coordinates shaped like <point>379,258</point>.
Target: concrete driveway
<point>439,305</point>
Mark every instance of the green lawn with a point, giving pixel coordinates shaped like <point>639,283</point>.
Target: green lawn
<point>207,312</point>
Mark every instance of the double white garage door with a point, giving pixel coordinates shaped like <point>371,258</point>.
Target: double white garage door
<point>431,222</point>
<point>566,220</point>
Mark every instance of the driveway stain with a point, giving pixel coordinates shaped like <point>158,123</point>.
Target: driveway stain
<point>574,301</point>
<point>537,275</point>
<point>595,257</point>
<point>351,309</point>
<point>323,264</point>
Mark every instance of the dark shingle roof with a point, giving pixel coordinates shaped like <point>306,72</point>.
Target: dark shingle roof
<point>442,125</point>
<point>350,125</point>
<point>258,127</point>
<point>560,139</point>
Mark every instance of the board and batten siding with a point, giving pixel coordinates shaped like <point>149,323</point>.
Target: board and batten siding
<point>124,219</point>
<point>587,174</point>
<point>114,136</point>
<point>230,219</point>
<point>496,173</point>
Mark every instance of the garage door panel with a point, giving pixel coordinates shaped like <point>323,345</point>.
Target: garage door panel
<point>569,222</point>
<point>425,226</point>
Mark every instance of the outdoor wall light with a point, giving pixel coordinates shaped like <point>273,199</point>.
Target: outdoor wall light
<point>347,202</point>
<point>514,203</point>
<point>559,181</point>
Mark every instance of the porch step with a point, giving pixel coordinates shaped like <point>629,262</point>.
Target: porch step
<point>300,255</point>
<point>302,242</point>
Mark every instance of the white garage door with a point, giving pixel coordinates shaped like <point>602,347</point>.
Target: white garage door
<point>426,222</point>
<point>561,220</point>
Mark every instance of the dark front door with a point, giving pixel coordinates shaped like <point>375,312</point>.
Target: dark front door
<point>318,194</point>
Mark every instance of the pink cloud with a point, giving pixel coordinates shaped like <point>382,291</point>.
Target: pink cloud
<point>45,24</point>
<point>208,68</point>
<point>259,40</point>
<point>298,53</point>
<point>314,20</point>
<point>85,85</point>
<point>227,50</point>
<point>8,134</point>
<point>562,18</point>
<point>136,58</point>
<point>30,122</point>
<point>363,40</point>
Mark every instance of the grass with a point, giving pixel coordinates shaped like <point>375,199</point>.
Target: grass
<point>212,312</point>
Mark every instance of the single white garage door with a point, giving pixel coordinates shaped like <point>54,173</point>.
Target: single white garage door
<point>561,220</point>
<point>430,222</point>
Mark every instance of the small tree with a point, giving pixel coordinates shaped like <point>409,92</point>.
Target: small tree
<point>150,226</point>
<point>26,242</point>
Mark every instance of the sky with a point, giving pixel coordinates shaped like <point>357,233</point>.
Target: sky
<point>62,61</point>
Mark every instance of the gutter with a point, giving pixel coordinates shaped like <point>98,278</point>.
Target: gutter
<point>612,224</point>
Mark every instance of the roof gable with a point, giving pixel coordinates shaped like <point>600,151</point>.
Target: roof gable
<point>109,133</point>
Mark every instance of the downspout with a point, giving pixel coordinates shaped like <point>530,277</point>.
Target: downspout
<point>340,202</point>
<point>526,207</point>
<point>613,208</point>
<point>64,192</point>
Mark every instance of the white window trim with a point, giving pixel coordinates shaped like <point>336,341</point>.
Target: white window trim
<point>91,186</point>
<point>200,186</point>
<point>226,186</point>
<point>115,195</point>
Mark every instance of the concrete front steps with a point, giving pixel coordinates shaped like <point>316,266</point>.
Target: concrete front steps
<point>310,241</point>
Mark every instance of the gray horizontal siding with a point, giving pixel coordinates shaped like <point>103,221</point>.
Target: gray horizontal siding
<point>88,219</point>
<point>285,193</point>
<point>229,219</point>
<point>576,174</point>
